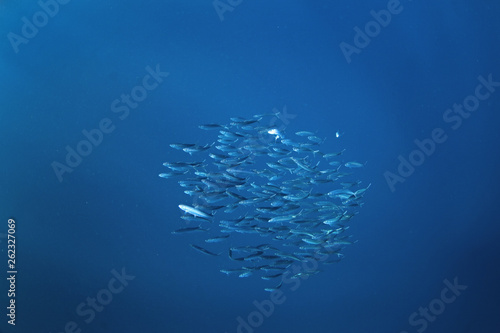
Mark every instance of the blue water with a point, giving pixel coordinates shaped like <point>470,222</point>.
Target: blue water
<point>112,214</point>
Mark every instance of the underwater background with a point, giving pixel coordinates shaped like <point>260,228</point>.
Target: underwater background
<point>412,87</point>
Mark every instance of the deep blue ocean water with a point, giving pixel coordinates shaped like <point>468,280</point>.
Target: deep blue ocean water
<point>384,73</point>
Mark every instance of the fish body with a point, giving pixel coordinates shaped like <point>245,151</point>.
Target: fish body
<point>186,230</point>
<point>352,165</point>
<point>204,251</point>
<point>194,211</point>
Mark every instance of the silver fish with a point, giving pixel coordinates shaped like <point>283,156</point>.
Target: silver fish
<point>194,211</point>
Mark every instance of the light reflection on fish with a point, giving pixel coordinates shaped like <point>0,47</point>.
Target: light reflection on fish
<point>194,211</point>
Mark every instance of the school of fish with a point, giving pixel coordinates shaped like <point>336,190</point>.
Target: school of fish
<point>264,200</point>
